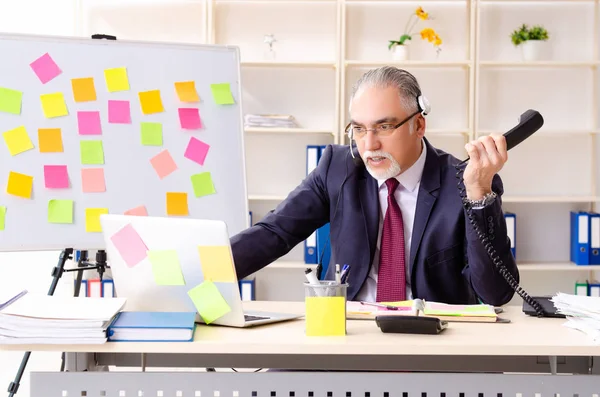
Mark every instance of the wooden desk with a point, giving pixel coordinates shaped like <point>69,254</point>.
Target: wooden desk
<point>527,344</point>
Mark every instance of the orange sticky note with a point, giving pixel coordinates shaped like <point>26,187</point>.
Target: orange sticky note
<point>92,219</point>
<point>177,203</point>
<point>186,91</point>
<point>17,140</point>
<point>50,140</point>
<point>151,102</point>
<point>137,211</point>
<point>19,184</point>
<point>83,89</point>
<point>163,164</point>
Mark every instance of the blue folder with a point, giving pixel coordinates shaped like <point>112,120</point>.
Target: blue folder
<point>152,327</point>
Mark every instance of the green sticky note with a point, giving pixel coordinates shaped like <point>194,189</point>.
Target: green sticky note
<point>60,211</point>
<point>208,301</point>
<point>10,100</point>
<point>203,184</point>
<point>2,217</point>
<point>166,268</point>
<point>152,134</point>
<point>222,94</point>
<point>92,152</point>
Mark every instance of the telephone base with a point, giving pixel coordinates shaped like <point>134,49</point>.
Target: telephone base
<point>547,305</point>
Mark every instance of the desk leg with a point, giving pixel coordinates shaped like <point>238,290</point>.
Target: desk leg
<point>553,364</point>
<point>79,362</point>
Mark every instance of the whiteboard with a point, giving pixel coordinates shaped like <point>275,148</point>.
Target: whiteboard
<point>130,177</point>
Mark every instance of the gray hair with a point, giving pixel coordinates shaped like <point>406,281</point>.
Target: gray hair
<point>386,76</point>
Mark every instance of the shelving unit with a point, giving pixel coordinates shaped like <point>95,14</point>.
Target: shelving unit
<point>477,85</point>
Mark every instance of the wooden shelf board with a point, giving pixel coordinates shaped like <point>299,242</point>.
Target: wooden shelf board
<point>552,64</point>
<point>290,131</point>
<point>559,266</point>
<point>291,265</point>
<point>265,197</point>
<point>545,133</point>
<point>373,64</point>
<point>289,64</point>
<point>550,199</point>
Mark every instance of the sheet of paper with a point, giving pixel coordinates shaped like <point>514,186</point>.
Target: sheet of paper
<point>119,112</point>
<point>60,211</point>
<point>186,91</point>
<point>50,140</point>
<point>151,102</point>
<point>84,89</point>
<point>177,203</point>
<point>216,263</point>
<point>209,302</point>
<point>54,105</point>
<point>10,101</point>
<point>92,152</point>
<point>325,316</point>
<point>166,267</point>
<point>56,176</point>
<point>89,122</point>
<point>116,79</point>
<point>19,184</point>
<point>152,134</point>
<point>17,140</point>
<point>45,68</point>
<point>137,211</point>
<point>163,164</point>
<point>92,180</point>
<point>196,150</point>
<point>203,184</point>
<point>130,245</point>
<point>92,219</point>
<point>222,94</point>
<point>2,217</point>
<point>189,119</point>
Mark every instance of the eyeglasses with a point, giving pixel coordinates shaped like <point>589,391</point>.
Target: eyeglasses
<point>384,129</point>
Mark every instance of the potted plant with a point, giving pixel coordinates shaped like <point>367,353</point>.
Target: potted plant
<point>530,40</point>
<point>399,47</point>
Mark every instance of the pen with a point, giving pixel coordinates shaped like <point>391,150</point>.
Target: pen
<point>338,278</point>
<point>345,272</point>
<point>380,305</point>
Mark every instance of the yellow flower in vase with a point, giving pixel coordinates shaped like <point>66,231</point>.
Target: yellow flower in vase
<point>400,46</point>
<point>430,35</point>
<point>422,14</point>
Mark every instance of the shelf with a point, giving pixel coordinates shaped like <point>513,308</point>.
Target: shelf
<point>367,2</point>
<point>252,2</point>
<point>291,265</point>
<point>288,131</point>
<point>550,199</point>
<point>444,132</point>
<point>264,197</point>
<point>535,1</point>
<point>288,64</point>
<point>569,266</point>
<point>374,64</point>
<point>548,64</point>
<point>546,133</point>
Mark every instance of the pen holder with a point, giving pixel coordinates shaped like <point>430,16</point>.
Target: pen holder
<point>325,305</point>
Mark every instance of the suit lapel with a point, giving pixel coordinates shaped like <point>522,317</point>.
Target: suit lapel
<point>369,201</point>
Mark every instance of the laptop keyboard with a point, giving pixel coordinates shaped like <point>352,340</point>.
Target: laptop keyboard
<point>248,317</point>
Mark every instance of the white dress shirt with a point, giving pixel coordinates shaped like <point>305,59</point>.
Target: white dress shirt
<point>406,196</point>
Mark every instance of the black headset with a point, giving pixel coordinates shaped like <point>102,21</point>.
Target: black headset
<point>424,109</point>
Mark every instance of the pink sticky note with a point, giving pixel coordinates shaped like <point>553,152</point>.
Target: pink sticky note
<point>130,245</point>
<point>89,123</point>
<point>196,150</point>
<point>45,68</point>
<point>92,180</point>
<point>56,176</point>
<point>163,163</point>
<point>119,112</point>
<point>189,119</point>
<point>137,211</point>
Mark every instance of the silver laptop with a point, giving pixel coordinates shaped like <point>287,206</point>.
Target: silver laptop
<point>163,285</point>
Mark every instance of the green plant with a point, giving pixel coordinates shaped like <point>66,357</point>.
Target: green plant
<point>525,33</point>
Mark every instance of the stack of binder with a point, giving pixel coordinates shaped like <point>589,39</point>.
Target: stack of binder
<point>585,238</point>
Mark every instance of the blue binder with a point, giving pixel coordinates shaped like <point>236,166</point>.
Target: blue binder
<point>310,244</point>
<point>594,250</point>
<point>580,237</point>
<point>247,290</point>
<point>511,229</point>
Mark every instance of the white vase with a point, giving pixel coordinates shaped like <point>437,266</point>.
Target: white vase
<point>531,50</point>
<point>400,53</point>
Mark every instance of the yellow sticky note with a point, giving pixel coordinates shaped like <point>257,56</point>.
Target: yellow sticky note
<point>17,140</point>
<point>60,211</point>
<point>84,89</point>
<point>2,217</point>
<point>166,267</point>
<point>217,264</point>
<point>92,219</point>
<point>54,105</point>
<point>19,184</point>
<point>325,316</point>
<point>209,302</point>
<point>50,140</point>
<point>151,102</point>
<point>177,203</point>
<point>186,91</point>
<point>116,79</point>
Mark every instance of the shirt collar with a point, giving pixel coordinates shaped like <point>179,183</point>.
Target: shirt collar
<point>411,176</point>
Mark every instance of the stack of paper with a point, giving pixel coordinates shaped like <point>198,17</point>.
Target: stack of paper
<point>42,319</point>
<point>583,312</point>
<point>270,121</point>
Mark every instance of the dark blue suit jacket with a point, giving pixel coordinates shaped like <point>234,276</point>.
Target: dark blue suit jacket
<point>448,262</point>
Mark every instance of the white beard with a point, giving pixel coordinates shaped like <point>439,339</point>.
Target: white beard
<point>392,171</point>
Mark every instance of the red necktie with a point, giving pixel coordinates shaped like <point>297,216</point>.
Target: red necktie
<point>391,279</point>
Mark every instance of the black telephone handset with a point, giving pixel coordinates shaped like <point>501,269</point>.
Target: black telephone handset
<point>529,122</point>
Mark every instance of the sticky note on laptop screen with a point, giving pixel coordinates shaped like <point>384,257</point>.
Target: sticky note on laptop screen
<point>209,302</point>
<point>217,264</point>
<point>166,267</point>
<point>130,245</point>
